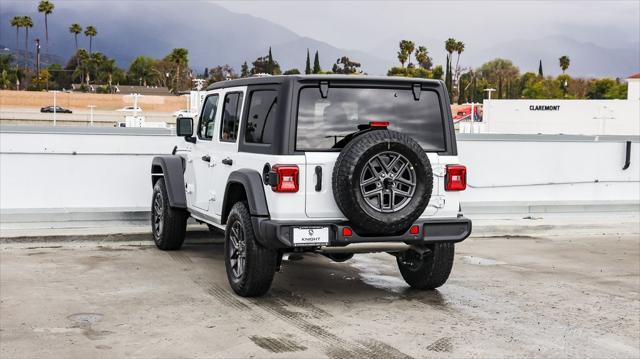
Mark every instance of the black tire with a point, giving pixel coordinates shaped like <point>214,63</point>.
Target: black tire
<point>429,271</point>
<point>168,225</point>
<point>257,263</point>
<point>348,172</point>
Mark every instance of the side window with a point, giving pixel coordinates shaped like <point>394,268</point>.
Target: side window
<point>231,117</point>
<point>262,111</point>
<point>208,117</point>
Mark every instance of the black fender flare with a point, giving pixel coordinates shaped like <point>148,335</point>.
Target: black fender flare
<point>251,181</point>
<point>172,169</point>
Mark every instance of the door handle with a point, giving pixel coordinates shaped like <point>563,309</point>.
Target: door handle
<point>227,161</point>
<point>318,178</point>
<point>206,158</point>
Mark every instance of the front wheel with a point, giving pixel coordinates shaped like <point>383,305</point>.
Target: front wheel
<point>428,270</point>
<point>168,225</point>
<point>250,266</point>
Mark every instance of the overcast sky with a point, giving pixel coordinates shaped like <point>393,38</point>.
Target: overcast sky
<point>366,25</point>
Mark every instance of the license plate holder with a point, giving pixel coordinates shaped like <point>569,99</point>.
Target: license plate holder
<point>310,236</point>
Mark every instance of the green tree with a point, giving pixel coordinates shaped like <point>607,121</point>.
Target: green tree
<point>75,29</point>
<point>83,68</point>
<point>564,63</point>
<point>608,89</point>
<point>270,65</point>
<point>307,68</point>
<point>222,73</point>
<point>316,64</point>
<point>540,73</point>
<point>90,32</point>
<point>346,66</point>
<point>292,72</point>
<point>141,71</point>
<point>438,72</point>
<point>450,46</point>
<point>266,65</point>
<point>422,58</point>
<point>244,70</point>
<point>498,72</point>
<point>27,23</point>
<point>179,57</point>
<point>16,21</point>
<point>406,49</point>
<point>46,7</point>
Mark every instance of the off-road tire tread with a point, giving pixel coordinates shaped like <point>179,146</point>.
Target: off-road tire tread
<point>434,270</point>
<point>175,221</point>
<point>261,261</point>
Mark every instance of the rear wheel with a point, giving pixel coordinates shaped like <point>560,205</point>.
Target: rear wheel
<point>250,266</point>
<point>168,225</point>
<point>428,270</point>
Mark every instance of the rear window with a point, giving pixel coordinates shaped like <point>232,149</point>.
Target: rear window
<point>322,122</point>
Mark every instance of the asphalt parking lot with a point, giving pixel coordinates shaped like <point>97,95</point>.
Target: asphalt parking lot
<point>555,296</point>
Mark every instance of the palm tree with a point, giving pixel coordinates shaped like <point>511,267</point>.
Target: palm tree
<point>459,48</point>
<point>46,7</point>
<point>27,23</point>
<point>179,57</point>
<point>91,31</point>
<point>17,22</point>
<point>75,29</point>
<point>564,63</point>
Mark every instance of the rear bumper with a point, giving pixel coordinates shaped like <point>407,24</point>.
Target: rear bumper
<point>278,234</point>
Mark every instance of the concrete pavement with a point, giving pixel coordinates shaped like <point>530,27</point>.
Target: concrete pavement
<point>545,295</point>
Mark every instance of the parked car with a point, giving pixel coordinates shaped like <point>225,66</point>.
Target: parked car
<point>184,113</point>
<point>130,109</point>
<point>58,109</point>
<point>326,164</point>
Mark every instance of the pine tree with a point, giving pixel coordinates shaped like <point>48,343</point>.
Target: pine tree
<point>448,79</point>
<point>540,73</point>
<point>244,70</point>
<point>307,69</point>
<point>316,64</point>
<point>206,73</point>
<point>270,63</point>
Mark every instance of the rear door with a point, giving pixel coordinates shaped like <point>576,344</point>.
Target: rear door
<point>323,122</point>
<point>225,145</point>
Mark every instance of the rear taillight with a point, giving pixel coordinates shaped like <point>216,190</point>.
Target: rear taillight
<point>287,178</point>
<point>456,179</point>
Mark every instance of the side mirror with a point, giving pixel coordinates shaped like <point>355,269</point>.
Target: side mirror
<point>184,128</point>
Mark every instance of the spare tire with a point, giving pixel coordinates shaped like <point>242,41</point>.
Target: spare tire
<point>382,182</point>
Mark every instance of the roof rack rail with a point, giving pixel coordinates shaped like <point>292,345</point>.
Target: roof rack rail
<point>262,74</point>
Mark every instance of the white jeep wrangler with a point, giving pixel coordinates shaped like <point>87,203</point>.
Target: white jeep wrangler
<point>330,164</point>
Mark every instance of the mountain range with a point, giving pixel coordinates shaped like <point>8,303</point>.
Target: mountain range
<point>216,36</point>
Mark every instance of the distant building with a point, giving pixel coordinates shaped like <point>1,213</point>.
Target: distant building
<point>124,89</point>
<point>633,89</point>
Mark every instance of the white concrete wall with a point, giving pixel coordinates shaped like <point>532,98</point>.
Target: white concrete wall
<point>66,171</point>
<point>633,89</point>
<point>543,171</point>
<point>78,170</point>
<point>575,117</point>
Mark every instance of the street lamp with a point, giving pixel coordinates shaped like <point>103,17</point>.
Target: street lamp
<point>91,107</point>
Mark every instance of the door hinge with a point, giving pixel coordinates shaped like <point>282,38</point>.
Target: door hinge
<point>212,196</point>
<point>189,188</point>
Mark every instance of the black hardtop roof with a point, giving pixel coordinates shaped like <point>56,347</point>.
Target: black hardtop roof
<point>278,79</point>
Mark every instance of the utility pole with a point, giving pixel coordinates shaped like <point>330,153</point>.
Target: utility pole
<point>37,41</point>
